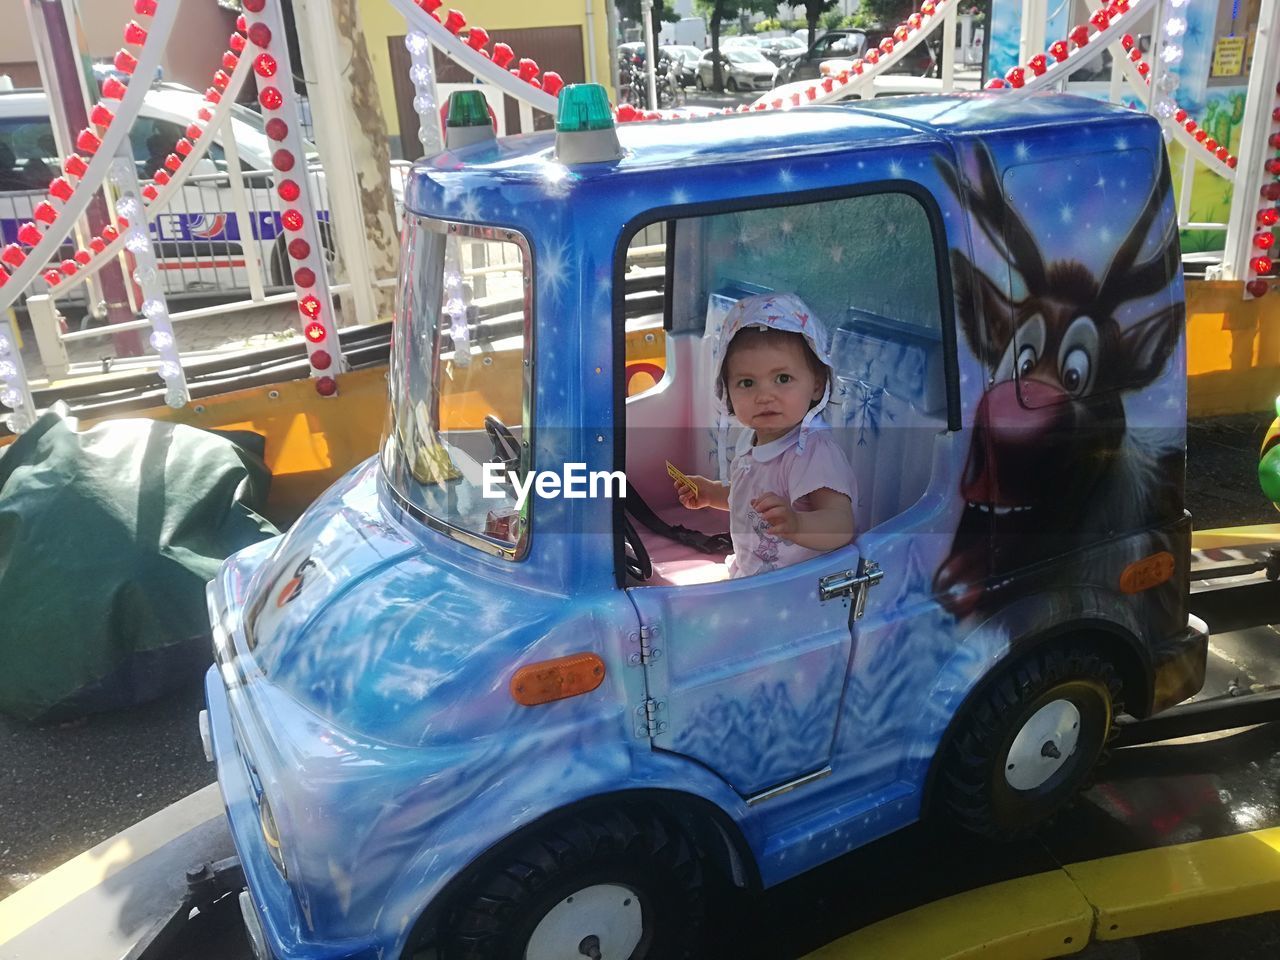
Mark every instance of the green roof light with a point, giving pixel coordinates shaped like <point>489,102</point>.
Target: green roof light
<point>583,106</point>
<point>468,108</point>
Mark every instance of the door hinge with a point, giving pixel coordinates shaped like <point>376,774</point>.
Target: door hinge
<point>847,583</point>
<point>649,717</point>
<point>647,652</point>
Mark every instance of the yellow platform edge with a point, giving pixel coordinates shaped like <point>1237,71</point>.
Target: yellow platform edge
<point>1057,913</point>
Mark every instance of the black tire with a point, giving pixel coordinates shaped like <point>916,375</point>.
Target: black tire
<point>630,847</point>
<point>731,85</point>
<point>983,787</point>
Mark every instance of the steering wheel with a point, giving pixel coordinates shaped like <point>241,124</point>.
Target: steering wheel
<point>505,445</point>
<point>634,555</point>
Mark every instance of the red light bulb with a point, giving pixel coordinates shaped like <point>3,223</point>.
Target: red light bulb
<point>900,33</point>
<point>61,189</point>
<point>1264,241</point>
<point>1190,126</point>
<point>110,234</point>
<point>97,244</point>
<point>915,21</point>
<point>125,62</point>
<point>277,129</point>
<point>454,22</point>
<point>1135,55</point>
<point>1127,41</point>
<point>299,249</point>
<point>150,192</point>
<point>144,8</point>
<point>194,131</point>
<point>1202,135</point>
<point>289,190</point>
<point>928,8</point>
<point>310,307</point>
<point>134,33</point>
<point>528,69</point>
<point>282,160</point>
<point>886,46</point>
<point>113,89</point>
<point>100,116</point>
<point>1100,20</point>
<point>1269,217</point>
<point>265,65</point>
<point>828,84</point>
<point>68,267</point>
<point>321,360</point>
<point>292,220</point>
<point>305,277</point>
<point>75,166</point>
<point>172,162</point>
<point>1211,145</point>
<point>1079,35</point>
<point>314,332</point>
<point>230,61</point>
<point>260,34</point>
<point>326,386</point>
<point>254,6</point>
<point>430,6</point>
<point>995,83</point>
<point>271,98</point>
<point>241,23</point>
<point>183,147</point>
<point>45,212</point>
<point>1222,153</point>
<point>213,96</point>
<point>13,255</point>
<point>205,114</point>
<point>1273,166</point>
<point>161,177</point>
<point>1059,50</point>
<point>1275,115</point>
<point>221,81</point>
<point>872,56</point>
<point>552,82</point>
<point>1273,141</point>
<point>1257,288</point>
<point>52,277</point>
<point>478,38</point>
<point>88,141</point>
<point>1016,77</point>
<point>237,43</point>
<point>1038,64</point>
<point>1143,68</point>
<point>1261,265</point>
<point>29,234</point>
<point>502,54</point>
<point>83,257</point>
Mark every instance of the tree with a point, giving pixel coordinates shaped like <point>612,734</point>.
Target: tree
<point>813,10</point>
<point>630,10</point>
<point>716,11</point>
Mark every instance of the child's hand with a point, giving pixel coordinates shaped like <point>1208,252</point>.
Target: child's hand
<point>689,499</point>
<point>776,512</point>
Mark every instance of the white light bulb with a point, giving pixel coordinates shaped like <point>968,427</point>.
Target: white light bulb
<point>416,43</point>
<point>8,370</point>
<point>136,241</point>
<point>161,340</point>
<point>1164,109</point>
<point>422,104</point>
<point>1168,82</point>
<point>1176,4</point>
<point>419,74</point>
<point>175,398</point>
<point>1171,53</point>
<point>424,137</point>
<point>15,423</point>
<point>1175,27</point>
<point>5,346</point>
<point>145,276</point>
<point>170,370</point>
<point>128,207</point>
<point>152,309</point>
<point>11,398</point>
<point>121,172</point>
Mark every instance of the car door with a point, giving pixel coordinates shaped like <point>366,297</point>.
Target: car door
<point>746,676</point>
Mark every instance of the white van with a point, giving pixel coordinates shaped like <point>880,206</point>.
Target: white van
<point>200,243</point>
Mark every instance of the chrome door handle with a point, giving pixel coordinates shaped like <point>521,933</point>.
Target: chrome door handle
<point>847,583</point>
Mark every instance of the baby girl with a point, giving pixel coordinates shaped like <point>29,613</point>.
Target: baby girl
<point>790,494</point>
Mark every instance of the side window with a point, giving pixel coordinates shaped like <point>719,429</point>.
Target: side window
<point>646,284</point>
<point>153,139</point>
<point>28,155</point>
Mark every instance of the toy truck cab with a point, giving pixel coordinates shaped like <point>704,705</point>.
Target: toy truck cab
<point>470,701</point>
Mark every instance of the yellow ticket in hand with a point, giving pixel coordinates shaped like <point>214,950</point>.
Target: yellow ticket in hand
<point>674,473</point>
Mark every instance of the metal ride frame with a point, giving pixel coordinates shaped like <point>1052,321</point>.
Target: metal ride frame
<point>258,46</point>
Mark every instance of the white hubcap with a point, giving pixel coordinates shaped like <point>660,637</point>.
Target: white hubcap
<point>1043,745</point>
<point>601,921</point>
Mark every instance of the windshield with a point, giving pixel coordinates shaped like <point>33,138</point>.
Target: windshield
<point>459,390</point>
<point>746,55</point>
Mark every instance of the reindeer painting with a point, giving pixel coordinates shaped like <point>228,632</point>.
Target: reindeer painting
<point>1054,464</point>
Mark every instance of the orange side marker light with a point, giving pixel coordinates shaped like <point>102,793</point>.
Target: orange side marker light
<point>1147,573</point>
<point>557,679</point>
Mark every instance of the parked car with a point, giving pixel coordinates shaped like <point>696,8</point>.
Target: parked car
<point>200,243</point>
<point>460,721</point>
<point>742,68</point>
<point>780,49</point>
<point>686,59</point>
<point>848,44</point>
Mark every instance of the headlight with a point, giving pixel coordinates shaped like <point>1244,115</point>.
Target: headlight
<point>270,834</point>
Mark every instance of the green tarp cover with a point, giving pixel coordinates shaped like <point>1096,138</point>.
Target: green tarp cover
<point>107,539</point>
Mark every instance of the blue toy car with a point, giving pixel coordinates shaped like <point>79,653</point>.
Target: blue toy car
<point>476,700</point>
